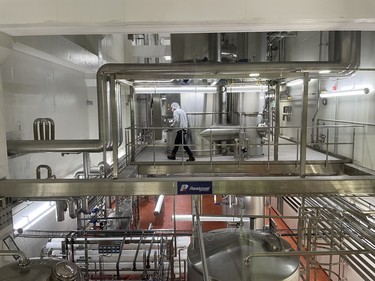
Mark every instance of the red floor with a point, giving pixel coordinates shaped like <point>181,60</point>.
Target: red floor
<point>183,206</point>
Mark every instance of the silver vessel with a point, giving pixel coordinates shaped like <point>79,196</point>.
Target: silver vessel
<point>42,270</point>
<point>229,257</point>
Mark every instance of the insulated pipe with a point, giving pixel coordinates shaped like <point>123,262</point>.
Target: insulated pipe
<point>158,206</point>
<point>72,208</point>
<point>60,210</point>
<point>304,125</point>
<point>114,123</point>
<point>86,165</point>
<point>277,123</point>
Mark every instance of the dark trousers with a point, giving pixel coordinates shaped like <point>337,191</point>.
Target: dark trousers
<point>181,139</point>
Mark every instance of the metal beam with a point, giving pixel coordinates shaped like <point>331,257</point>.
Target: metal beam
<point>252,186</point>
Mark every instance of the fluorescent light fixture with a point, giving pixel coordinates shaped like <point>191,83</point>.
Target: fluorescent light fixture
<point>296,82</point>
<point>324,71</point>
<point>25,222</point>
<point>254,74</point>
<point>172,90</point>
<point>196,89</point>
<point>346,93</point>
<point>246,88</point>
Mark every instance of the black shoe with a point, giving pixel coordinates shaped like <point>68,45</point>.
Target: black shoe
<point>171,157</point>
<point>191,158</point>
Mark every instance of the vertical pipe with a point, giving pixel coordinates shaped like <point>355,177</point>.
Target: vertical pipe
<point>206,276</point>
<point>132,125</point>
<point>214,47</point>
<point>353,145</point>
<point>268,147</point>
<point>222,105</point>
<point>86,258</point>
<point>301,232</point>
<point>336,139</point>
<point>52,123</point>
<point>41,129</point>
<point>114,124</point>
<point>211,147</point>
<point>304,124</point>
<point>46,129</point>
<point>119,114</point>
<point>103,116</point>
<point>60,210</point>
<point>117,212</point>
<point>35,129</point>
<point>297,148</point>
<point>277,124</point>
<point>327,147</point>
<point>86,165</point>
<point>174,224</point>
<point>317,130</point>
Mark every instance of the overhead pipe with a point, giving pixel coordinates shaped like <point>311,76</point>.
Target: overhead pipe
<point>343,65</point>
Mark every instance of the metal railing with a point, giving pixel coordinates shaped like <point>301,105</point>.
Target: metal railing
<point>242,143</point>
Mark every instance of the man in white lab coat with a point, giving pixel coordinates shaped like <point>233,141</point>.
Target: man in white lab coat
<point>180,122</point>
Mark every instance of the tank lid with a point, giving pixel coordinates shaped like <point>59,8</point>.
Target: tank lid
<point>64,271</point>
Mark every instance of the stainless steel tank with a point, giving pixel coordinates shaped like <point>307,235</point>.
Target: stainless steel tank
<point>252,106</point>
<point>247,206</point>
<point>227,249</point>
<point>45,269</point>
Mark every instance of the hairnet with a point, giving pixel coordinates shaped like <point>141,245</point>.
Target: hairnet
<point>175,105</point>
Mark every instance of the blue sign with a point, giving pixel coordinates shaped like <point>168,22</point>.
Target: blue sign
<point>194,187</point>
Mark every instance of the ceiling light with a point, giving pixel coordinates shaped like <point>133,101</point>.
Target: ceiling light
<point>41,209</point>
<point>254,74</point>
<point>296,82</point>
<point>246,88</point>
<point>346,93</point>
<point>196,89</point>
<point>324,71</point>
<point>174,90</point>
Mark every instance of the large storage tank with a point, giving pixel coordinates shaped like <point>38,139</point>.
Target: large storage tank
<point>42,270</point>
<point>226,250</point>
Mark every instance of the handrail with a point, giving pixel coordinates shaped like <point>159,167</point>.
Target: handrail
<point>150,142</point>
<point>347,122</point>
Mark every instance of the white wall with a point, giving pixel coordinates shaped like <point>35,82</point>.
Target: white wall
<point>34,88</point>
<point>358,108</point>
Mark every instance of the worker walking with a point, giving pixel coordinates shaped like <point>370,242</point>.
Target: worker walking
<point>181,123</point>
